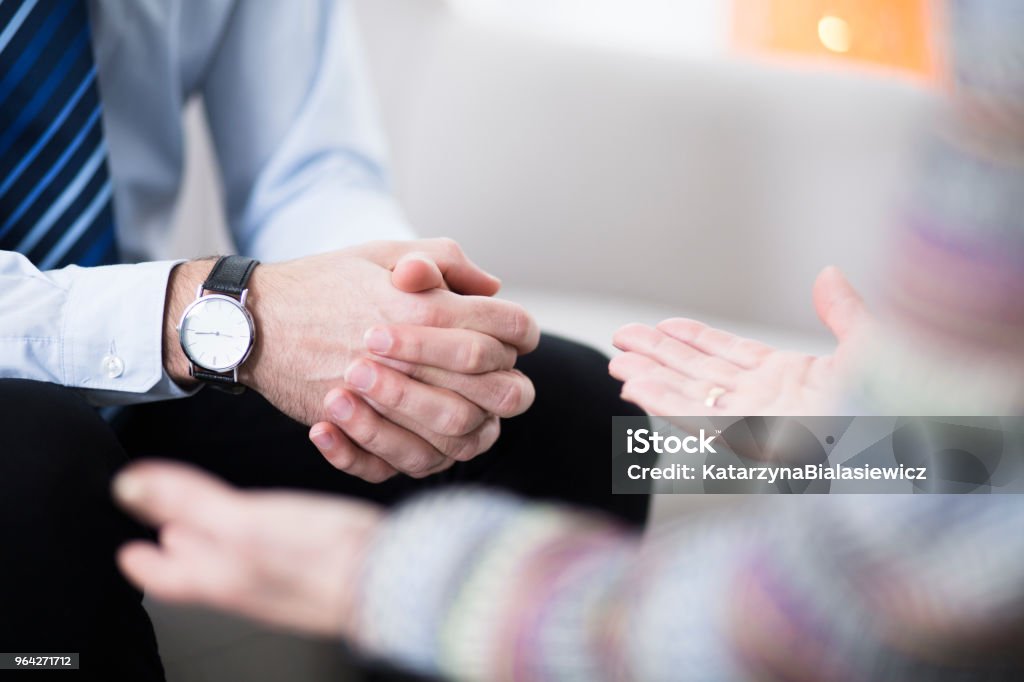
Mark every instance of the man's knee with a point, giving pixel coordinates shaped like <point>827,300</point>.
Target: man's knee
<point>576,400</point>
<point>56,449</point>
<point>58,518</point>
<point>574,378</point>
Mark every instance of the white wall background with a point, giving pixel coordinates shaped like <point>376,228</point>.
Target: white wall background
<point>710,186</point>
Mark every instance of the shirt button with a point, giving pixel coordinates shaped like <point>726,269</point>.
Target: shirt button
<point>113,366</point>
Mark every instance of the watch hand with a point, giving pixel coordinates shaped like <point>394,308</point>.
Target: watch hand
<point>227,336</point>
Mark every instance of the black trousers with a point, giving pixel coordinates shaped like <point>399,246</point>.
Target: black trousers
<point>59,587</point>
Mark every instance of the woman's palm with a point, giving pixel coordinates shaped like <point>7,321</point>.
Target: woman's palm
<point>671,370</point>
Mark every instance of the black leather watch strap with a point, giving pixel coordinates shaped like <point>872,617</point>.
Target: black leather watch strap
<point>230,274</point>
<point>223,382</point>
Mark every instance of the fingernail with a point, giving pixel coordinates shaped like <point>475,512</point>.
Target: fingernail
<point>340,408</point>
<point>128,488</point>
<point>378,340</point>
<point>360,375</point>
<point>323,439</point>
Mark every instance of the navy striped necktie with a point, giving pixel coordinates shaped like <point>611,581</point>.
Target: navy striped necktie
<point>55,192</point>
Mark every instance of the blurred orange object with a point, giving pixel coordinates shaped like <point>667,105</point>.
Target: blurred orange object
<point>892,33</point>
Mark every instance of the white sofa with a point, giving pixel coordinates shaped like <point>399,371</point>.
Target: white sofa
<point>604,187</point>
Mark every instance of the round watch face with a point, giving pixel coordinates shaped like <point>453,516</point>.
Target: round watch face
<point>216,333</point>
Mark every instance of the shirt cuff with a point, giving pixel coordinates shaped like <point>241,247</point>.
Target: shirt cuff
<point>112,341</point>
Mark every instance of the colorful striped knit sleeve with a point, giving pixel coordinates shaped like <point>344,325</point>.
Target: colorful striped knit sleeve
<point>472,585</point>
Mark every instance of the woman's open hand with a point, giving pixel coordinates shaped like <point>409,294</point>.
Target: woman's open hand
<point>671,370</point>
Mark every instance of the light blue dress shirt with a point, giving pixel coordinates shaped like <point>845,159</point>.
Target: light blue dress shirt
<point>299,150</point>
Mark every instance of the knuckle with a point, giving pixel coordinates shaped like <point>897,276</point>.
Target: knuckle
<point>511,398</point>
<point>339,462</point>
<point>415,347</point>
<point>464,449</point>
<point>368,433</point>
<point>458,421</point>
<point>420,472</point>
<point>529,395</point>
<point>378,476</point>
<point>447,464</point>
<point>340,458</point>
<point>509,357</point>
<point>527,331</point>
<point>518,321</point>
<point>394,392</point>
<point>428,316</point>
<point>408,343</point>
<point>420,464</point>
<point>449,246</point>
<point>488,437</point>
<point>473,357</point>
<point>479,441</point>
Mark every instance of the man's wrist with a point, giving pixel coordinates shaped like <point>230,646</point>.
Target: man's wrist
<point>182,285</point>
<point>259,300</point>
<point>185,278</point>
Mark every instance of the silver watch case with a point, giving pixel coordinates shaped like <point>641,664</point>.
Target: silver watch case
<point>238,303</point>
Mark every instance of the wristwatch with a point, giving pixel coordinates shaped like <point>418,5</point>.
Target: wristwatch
<point>216,331</point>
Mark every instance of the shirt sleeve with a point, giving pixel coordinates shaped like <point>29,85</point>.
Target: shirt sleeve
<point>98,329</point>
<point>296,133</point>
